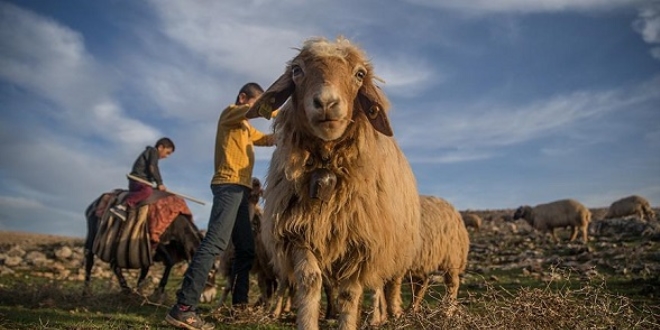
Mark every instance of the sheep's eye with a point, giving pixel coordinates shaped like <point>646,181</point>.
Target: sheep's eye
<point>296,70</point>
<point>360,74</point>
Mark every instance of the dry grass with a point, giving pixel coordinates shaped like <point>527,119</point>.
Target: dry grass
<point>590,306</point>
<point>500,291</point>
<point>533,308</point>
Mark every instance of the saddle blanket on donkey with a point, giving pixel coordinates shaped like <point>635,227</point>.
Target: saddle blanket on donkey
<point>128,242</point>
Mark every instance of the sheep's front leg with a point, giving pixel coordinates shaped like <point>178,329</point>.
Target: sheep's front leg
<point>553,233</point>
<point>393,296</point>
<point>280,296</point>
<point>379,310</point>
<point>452,282</point>
<point>308,279</point>
<point>574,233</point>
<point>419,287</point>
<point>348,302</point>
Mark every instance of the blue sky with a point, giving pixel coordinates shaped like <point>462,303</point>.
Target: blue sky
<point>496,103</point>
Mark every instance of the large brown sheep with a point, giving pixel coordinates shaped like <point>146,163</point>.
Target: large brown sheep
<point>557,214</point>
<point>341,199</point>
<point>444,250</point>
<point>631,205</point>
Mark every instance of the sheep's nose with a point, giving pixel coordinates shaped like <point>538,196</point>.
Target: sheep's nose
<point>325,100</point>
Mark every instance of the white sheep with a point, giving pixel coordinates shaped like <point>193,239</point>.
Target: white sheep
<point>341,199</point>
<point>471,220</point>
<point>558,214</point>
<point>631,205</point>
<point>444,250</point>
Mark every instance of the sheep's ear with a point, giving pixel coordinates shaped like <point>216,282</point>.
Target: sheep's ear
<point>373,103</point>
<point>272,98</point>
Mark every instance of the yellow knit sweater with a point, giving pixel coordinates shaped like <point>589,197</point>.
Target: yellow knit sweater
<point>234,152</point>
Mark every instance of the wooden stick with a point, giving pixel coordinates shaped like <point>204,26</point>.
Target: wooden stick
<point>138,179</point>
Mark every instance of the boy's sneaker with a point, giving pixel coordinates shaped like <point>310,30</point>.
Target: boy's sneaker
<point>119,211</point>
<point>187,319</point>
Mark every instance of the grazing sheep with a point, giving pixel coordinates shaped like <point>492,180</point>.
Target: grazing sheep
<point>444,250</point>
<point>558,214</point>
<point>332,208</point>
<point>471,220</point>
<point>631,205</point>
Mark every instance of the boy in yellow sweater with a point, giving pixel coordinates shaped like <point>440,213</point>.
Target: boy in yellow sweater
<point>231,185</point>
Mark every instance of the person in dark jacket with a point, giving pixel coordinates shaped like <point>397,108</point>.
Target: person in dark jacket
<point>145,167</point>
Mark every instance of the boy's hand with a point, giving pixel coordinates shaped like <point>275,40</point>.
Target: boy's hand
<point>162,187</point>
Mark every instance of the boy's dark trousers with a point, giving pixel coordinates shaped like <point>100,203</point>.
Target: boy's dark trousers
<point>229,220</point>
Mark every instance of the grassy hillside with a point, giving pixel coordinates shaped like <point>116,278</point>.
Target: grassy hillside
<point>517,278</point>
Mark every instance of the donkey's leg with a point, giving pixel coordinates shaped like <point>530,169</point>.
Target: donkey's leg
<point>141,283</point>
<point>120,277</point>
<point>159,293</point>
<point>92,228</point>
<point>89,263</point>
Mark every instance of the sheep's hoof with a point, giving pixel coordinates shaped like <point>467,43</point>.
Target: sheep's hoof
<point>378,320</point>
<point>451,310</point>
<point>208,295</point>
<point>322,184</point>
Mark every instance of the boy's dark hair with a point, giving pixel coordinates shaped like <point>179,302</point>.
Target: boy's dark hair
<point>165,142</point>
<point>250,90</point>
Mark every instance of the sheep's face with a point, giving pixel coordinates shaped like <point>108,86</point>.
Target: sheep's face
<point>325,89</point>
<point>330,84</point>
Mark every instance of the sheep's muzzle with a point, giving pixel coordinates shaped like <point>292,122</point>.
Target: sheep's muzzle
<point>321,184</point>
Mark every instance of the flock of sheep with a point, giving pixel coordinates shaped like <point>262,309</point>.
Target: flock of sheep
<point>342,210</point>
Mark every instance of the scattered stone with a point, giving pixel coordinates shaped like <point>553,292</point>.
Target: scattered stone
<point>63,253</point>
<point>4,270</point>
<point>13,261</point>
<point>16,251</point>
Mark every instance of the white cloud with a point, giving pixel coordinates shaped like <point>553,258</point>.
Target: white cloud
<point>523,6</point>
<point>127,131</point>
<point>19,202</point>
<point>406,75</point>
<point>648,23</point>
<point>228,42</point>
<point>184,92</point>
<point>448,157</point>
<point>42,55</point>
<point>32,215</point>
<point>485,124</point>
<point>50,61</point>
<point>89,117</point>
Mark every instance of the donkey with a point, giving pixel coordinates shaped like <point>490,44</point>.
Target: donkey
<point>177,243</point>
